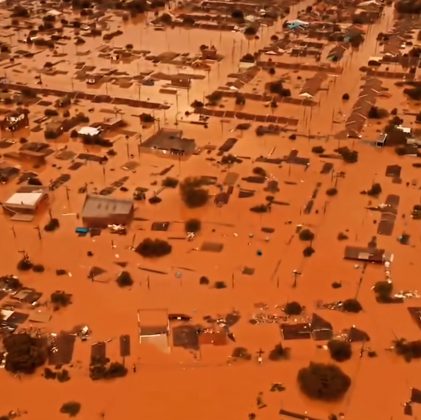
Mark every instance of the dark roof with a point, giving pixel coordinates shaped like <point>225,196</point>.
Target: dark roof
<point>355,334</point>
<point>318,323</point>
<point>296,331</point>
<point>364,254</point>
<point>170,139</point>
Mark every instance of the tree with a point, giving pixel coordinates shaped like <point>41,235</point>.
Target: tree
<point>308,251</point>
<point>192,193</point>
<point>408,349</point>
<point>339,350</point>
<point>166,19</point>
<point>306,235</point>
<point>60,299</point>
<point>377,113</point>
<point>153,248</point>
<point>279,352</point>
<point>293,308</point>
<point>323,381</point>
<point>345,97</point>
<point>193,225</point>
<point>170,182</point>
<point>250,31</point>
<point>71,408</point>
<point>375,190</point>
<point>24,353</point>
<point>260,171</point>
<point>124,279</point>
<point>383,290</point>
<point>241,353</point>
<point>237,14</point>
<point>318,149</point>
<point>351,305</point>
<point>25,264</point>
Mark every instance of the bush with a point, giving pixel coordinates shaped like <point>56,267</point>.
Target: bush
<point>50,112</point>
<point>278,88</point>
<point>339,350</point>
<point>259,171</point>
<point>197,104</point>
<point>169,182</point>
<point>349,156</point>
<point>408,349</point>
<point>293,308</point>
<point>24,264</point>
<point>306,235</point>
<point>71,408</point>
<point>250,31</point>
<point>376,113</point>
<point>192,194</point>
<point>60,299</point>
<point>331,192</point>
<point>38,268</point>
<point>408,6</point>
<point>214,97</point>
<point>153,248</point>
<point>146,118</point>
<point>383,289</point>
<point>237,14</point>
<point>323,381</point>
<point>261,208</point>
<point>154,200</point>
<point>166,18</point>
<point>220,285</point>
<point>318,149</point>
<point>193,225</point>
<point>308,251</point>
<point>248,58</point>
<point>24,353</point>
<point>124,279</point>
<point>375,190</point>
<point>63,376</point>
<point>52,225</point>
<point>345,97</point>
<point>102,371</point>
<point>351,305</point>
<point>342,236</point>
<point>279,353</point>
<point>203,281</point>
<point>414,93</point>
<point>241,353</point>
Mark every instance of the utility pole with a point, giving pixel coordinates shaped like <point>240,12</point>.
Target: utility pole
<point>295,273</point>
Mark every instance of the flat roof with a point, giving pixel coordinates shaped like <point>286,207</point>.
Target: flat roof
<point>29,199</point>
<point>100,206</point>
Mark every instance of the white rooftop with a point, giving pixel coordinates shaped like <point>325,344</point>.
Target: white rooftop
<point>29,199</point>
<point>88,131</point>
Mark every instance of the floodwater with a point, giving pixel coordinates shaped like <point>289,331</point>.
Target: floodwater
<point>181,385</point>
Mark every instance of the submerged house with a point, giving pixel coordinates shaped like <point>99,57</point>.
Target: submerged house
<point>24,203</point>
<point>15,120</point>
<point>170,141</point>
<point>100,211</point>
